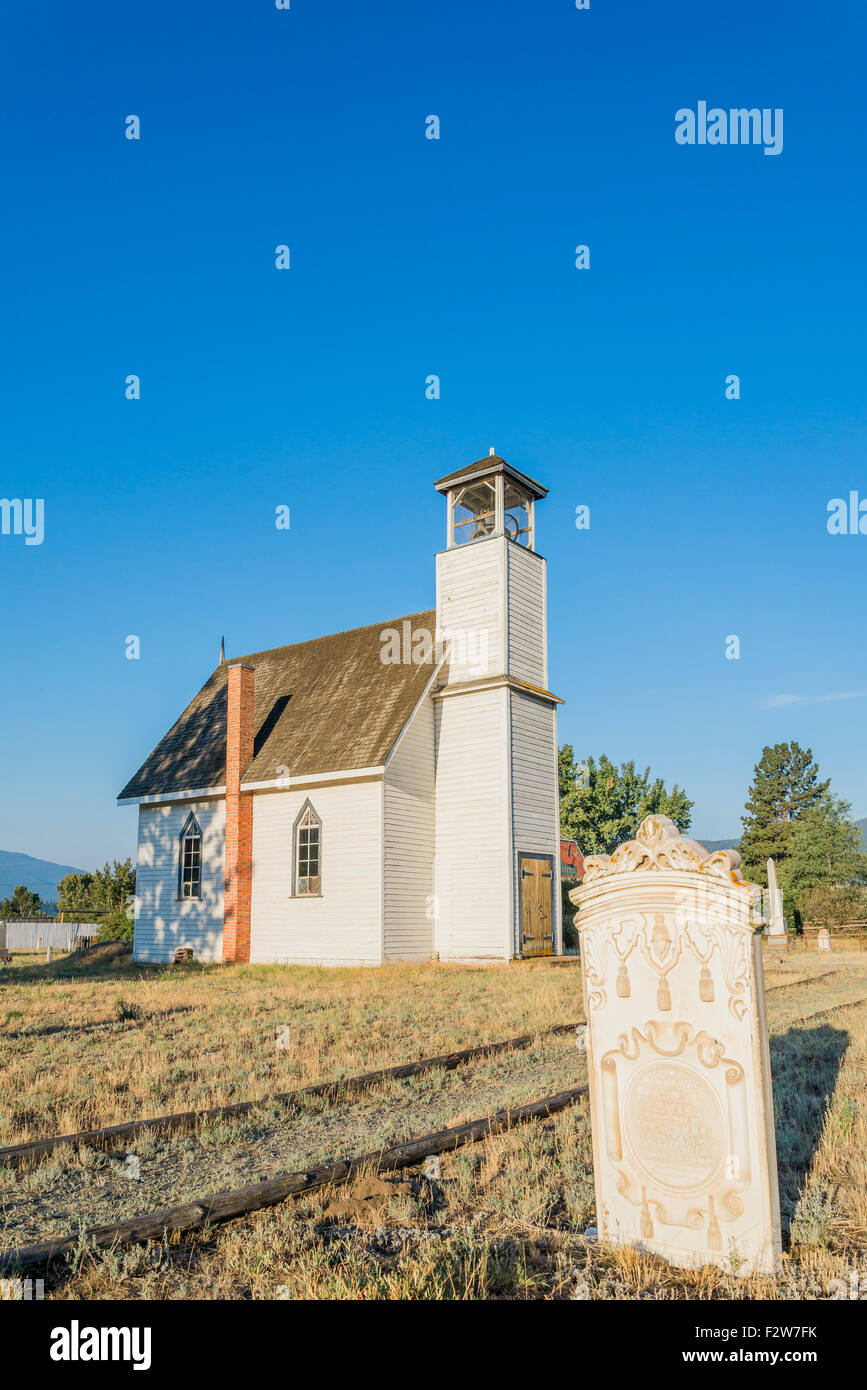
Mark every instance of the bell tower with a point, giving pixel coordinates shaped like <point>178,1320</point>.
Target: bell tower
<point>498,859</point>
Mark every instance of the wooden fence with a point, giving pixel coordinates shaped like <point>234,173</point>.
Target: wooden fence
<point>33,933</point>
<point>849,936</point>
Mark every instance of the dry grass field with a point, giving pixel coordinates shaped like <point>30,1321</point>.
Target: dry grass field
<point>93,1039</point>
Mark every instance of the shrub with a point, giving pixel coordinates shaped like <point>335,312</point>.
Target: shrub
<point>116,927</point>
<point>832,905</point>
<point>570,931</point>
<point>125,1012</point>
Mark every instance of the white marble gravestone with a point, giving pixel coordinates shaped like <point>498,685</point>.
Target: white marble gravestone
<point>777,932</point>
<point>680,1087</point>
<point>823,940</point>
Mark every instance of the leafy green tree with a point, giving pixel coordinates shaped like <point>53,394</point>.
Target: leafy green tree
<point>106,888</point>
<point>116,884</point>
<point>785,787</point>
<point>825,864</point>
<point>602,805</point>
<point>23,903</point>
<point>74,893</point>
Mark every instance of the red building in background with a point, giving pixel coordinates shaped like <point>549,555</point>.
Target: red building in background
<point>571,860</point>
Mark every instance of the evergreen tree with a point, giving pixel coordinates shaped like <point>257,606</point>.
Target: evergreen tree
<point>23,903</point>
<point>785,787</point>
<point>602,805</point>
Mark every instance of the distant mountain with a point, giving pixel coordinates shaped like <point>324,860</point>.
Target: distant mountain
<point>716,844</point>
<point>39,875</point>
<point>727,844</point>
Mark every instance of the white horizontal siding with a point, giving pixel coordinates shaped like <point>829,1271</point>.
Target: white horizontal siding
<point>163,922</point>
<point>535,818</point>
<point>410,832</point>
<point>344,925</point>
<point>527,619</point>
<point>472,818</point>
<point>471,601</point>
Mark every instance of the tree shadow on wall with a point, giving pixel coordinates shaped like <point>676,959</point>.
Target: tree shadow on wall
<point>805,1063</point>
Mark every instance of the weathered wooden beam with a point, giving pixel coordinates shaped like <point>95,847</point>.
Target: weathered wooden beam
<point>779,985</point>
<point>17,1154</point>
<point>224,1206</point>
<point>821,1013</point>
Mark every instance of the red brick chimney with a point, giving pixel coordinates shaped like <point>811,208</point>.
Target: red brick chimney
<point>239,815</point>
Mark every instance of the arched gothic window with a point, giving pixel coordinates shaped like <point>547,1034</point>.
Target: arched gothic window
<point>190,860</point>
<point>308,853</point>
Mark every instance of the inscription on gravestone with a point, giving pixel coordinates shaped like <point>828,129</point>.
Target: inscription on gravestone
<point>676,1125</point>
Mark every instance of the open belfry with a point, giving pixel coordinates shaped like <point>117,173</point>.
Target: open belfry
<point>386,793</point>
<point>684,1151</point>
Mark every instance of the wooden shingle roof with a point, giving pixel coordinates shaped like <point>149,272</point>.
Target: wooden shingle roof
<point>492,464</point>
<point>330,705</point>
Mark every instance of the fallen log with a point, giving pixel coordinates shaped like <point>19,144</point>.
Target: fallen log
<point>224,1206</point>
<point>17,1154</point>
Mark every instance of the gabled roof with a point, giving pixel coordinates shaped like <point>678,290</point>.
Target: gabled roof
<point>492,464</point>
<point>330,705</point>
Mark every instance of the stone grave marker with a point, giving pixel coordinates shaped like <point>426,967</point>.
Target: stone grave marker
<point>823,940</point>
<point>684,1152</point>
<point>778,934</point>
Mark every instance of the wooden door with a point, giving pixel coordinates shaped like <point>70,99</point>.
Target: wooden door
<point>536,888</point>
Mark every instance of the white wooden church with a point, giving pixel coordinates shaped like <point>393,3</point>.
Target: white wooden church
<point>383,794</point>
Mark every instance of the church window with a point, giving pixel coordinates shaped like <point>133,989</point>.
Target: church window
<point>190,860</point>
<point>308,853</point>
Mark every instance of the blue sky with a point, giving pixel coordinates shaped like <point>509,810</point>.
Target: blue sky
<point>410,257</point>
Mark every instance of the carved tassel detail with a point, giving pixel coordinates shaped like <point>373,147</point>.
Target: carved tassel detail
<point>663,994</point>
<point>705,986</point>
<point>714,1238</point>
<point>623,987</point>
<point>646,1223</point>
